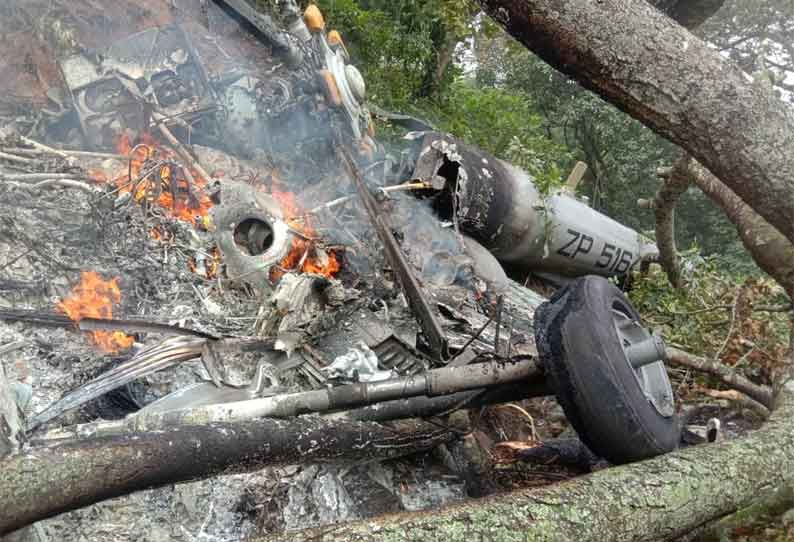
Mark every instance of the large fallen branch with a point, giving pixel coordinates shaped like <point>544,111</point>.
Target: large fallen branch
<point>47,480</point>
<point>654,500</point>
<point>664,76</point>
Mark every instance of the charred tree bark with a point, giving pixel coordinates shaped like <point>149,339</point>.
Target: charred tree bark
<point>656,71</point>
<point>48,480</point>
<point>654,500</point>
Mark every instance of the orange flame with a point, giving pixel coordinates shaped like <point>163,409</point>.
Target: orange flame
<point>211,264</point>
<point>303,256</point>
<point>94,298</point>
<point>182,208</point>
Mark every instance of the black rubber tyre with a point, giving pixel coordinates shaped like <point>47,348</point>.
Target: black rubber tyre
<point>581,352</point>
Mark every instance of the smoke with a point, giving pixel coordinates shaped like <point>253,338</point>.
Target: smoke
<point>94,71</point>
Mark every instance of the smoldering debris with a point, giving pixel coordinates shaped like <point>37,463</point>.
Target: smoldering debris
<point>179,232</point>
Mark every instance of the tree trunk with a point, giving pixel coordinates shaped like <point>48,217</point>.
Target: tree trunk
<point>654,500</point>
<point>48,480</point>
<point>656,71</point>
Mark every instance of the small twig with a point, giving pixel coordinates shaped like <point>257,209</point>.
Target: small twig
<point>43,147</point>
<point>19,159</point>
<point>774,308</point>
<point>756,308</point>
<point>526,414</point>
<point>510,334</point>
<point>10,347</point>
<point>730,329</point>
<point>13,260</point>
<point>40,176</point>
<point>345,199</point>
<point>500,303</point>
<point>70,152</point>
<point>740,399</point>
<point>93,154</point>
<point>68,183</point>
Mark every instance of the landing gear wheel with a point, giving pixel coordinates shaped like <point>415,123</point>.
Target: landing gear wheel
<point>607,372</point>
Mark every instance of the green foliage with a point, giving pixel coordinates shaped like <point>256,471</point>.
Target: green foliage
<point>517,107</point>
<point>390,48</point>
<point>395,44</point>
<point>505,124</point>
<point>713,315</point>
<point>674,312</point>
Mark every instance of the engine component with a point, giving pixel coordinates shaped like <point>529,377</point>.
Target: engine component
<point>251,234</point>
<point>113,87</point>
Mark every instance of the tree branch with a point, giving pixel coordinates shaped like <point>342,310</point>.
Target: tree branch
<point>645,64</point>
<point>770,250</point>
<point>673,186</point>
<point>48,480</point>
<point>724,374</point>
<point>693,486</point>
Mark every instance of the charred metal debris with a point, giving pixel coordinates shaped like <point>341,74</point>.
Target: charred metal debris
<point>203,196</point>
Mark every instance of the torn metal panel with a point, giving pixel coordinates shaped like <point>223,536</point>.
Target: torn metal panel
<point>264,384</point>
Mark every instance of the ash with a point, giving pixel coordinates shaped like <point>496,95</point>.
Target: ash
<point>253,144</point>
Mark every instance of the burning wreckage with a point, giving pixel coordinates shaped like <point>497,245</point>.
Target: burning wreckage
<point>269,284</point>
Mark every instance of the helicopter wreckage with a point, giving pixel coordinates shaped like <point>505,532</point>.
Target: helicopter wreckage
<point>200,190</point>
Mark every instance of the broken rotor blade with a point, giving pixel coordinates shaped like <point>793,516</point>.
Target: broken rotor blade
<point>56,319</point>
<point>166,354</point>
<point>431,328</point>
<point>142,326</point>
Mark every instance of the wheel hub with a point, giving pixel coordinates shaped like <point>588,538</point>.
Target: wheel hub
<point>645,354</point>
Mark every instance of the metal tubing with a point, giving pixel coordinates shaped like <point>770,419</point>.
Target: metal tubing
<point>435,382</point>
<point>423,406</point>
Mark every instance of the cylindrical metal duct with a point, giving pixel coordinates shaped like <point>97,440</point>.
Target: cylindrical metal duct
<point>499,205</point>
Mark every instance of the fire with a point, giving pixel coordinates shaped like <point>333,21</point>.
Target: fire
<point>303,256</point>
<point>191,203</point>
<point>306,258</point>
<point>94,298</point>
<point>206,266</point>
